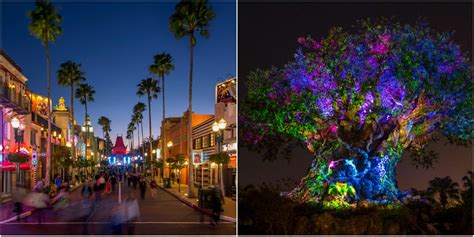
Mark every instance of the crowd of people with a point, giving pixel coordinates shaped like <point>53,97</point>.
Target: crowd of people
<point>56,195</point>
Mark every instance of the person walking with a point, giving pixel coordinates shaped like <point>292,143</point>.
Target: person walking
<point>58,181</point>
<point>86,192</point>
<point>173,177</point>
<point>39,187</point>
<point>216,207</point>
<point>142,186</point>
<point>97,191</point>
<point>153,189</point>
<point>113,181</point>
<point>134,180</point>
<point>129,179</point>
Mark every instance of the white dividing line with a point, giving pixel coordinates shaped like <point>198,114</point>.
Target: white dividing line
<point>104,222</point>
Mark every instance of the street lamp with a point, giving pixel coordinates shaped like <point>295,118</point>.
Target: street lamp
<point>219,128</point>
<point>169,145</point>
<point>18,129</point>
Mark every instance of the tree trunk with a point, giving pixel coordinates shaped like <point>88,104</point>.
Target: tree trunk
<point>372,177</point>
<point>163,140</point>
<point>151,136</point>
<point>143,140</point>
<point>48,146</point>
<point>74,155</point>
<point>190,121</point>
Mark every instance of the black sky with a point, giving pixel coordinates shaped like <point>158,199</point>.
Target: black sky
<point>267,37</point>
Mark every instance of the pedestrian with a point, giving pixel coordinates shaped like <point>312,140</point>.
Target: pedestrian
<point>39,187</point>
<point>61,200</point>
<point>153,189</point>
<point>113,181</point>
<point>129,179</point>
<point>173,176</point>
<point>58,181</point>
<point>216,207</point>
<point>134,180</point>
<point>142,186</point>
<point>97,191</point>
<point>108,186</point>
<point>102,182</point>
<point>86,192</point>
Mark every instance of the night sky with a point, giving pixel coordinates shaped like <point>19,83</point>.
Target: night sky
<point>267,36</point>
<point>115,43</point>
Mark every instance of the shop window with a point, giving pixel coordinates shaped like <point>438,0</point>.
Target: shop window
<point>33,133</point>
<point>198,143</point>
<point>205,141</point>
<point>212,139</point>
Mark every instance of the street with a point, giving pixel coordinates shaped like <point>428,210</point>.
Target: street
<point>165,215</point>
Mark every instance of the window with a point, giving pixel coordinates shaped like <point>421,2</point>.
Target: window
<point>33,137</point>
<point>205,141</point>
<point>198,143</point>
<point>212,139</point>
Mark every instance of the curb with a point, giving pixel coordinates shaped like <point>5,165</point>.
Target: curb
<point>196,207</point>
<point>29,213</point>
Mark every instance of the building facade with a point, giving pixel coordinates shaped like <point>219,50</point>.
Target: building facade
<point>226,109</point>
<point>176,134</point>
<point>204,145</point>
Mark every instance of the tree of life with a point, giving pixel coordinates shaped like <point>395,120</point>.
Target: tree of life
<point>357,100</point>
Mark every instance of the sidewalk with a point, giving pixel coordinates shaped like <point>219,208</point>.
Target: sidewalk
<point>229,204</point>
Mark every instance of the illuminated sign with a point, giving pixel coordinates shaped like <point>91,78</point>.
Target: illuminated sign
<point>226,92</point>
<point>229,147</point>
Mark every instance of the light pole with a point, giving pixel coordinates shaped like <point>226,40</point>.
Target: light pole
<point>18,130</point>
<point>219,128</point>
<point>169,145</point>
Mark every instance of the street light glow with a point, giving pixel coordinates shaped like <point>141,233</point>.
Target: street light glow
<point>15,122</point>
<point>215,127</point>
<point>222,124</point>
<point>170,144</point>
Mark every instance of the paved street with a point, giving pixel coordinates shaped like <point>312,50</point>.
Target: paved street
<point>165,215</point>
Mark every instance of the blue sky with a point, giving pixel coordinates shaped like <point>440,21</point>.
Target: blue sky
<point>115,43</point>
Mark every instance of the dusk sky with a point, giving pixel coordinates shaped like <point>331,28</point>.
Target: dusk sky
<point>115,43</point>
<point>276,45</point>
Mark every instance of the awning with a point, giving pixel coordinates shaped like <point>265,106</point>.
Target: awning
<point>25,166</point>
<point>7,166</point>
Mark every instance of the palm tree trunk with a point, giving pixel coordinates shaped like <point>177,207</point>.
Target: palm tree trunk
<point>72,123</point>
<point>163,140</point>
<point>143,140</point>
<point>87,132</point>
<point>151,136</point>
<point>138,135</point>
<point>190,121</point>
<point>48,147</point>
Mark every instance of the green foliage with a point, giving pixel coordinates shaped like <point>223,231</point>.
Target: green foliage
<point>220,158</point>
<point>45,22</point>
<point>17,157</point>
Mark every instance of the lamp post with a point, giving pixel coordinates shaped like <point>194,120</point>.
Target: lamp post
<point>169,145</point>
<point>18,130</point>
<point>219,128</point>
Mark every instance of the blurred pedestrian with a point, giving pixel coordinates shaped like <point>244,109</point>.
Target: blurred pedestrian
<point>61,200</point>
<point>153,189</point>
<point>86,191</point>
<point>39,187</point>
<point>108,186</point>
<point>134,180</point>
<point>113,181</point>
<point>97,191</point>
<point>142,186</point>
<point>57,180</point>
<point>216,207</point>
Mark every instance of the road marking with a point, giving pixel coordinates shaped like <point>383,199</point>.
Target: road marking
<point>104,222</point>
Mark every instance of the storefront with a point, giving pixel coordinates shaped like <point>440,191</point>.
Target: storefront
<point>230,170</point>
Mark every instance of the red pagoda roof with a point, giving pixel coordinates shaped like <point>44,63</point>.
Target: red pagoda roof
<point>119,147</point>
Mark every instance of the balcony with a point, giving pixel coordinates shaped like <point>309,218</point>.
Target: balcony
<point>15,100</point>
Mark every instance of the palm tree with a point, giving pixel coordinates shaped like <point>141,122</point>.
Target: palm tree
<point>191,18</point>
<point>129,136</point>
<point>105,123</point>
<point>136,123</point>
<point>446,189</point>
<point>131,129</point>
<point>85,93</point>
<point>138,110</point>
<point>70,75</point>
<point>44,25</point>
<point>150,88</point>
<point>162,66</point>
